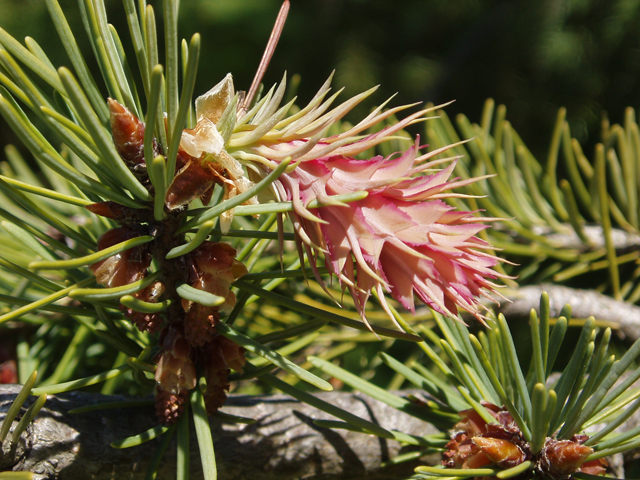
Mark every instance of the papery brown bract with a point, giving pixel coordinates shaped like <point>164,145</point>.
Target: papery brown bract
<point>471,423</point>
<point>196,176</point>
<point>233,354</point>
<point>125,267</point>
<point>191,181</point>
<point>216,374</point>
<point>145,322</point>
<point>217,357</point>
<point>215,268</point>
<point>118,212</point>
<point>218,259</point>
<point>176,369</point>
<point>595,467</point>
<point>462,452</point>
<point>175,374</point>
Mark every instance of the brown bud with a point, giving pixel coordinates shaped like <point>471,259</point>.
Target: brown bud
<point>507,423</point>
<point>217,357</point>
<point>501,452</point>
<point>175,373</point>
<point>491,407</point>
<point>563,457</point>
<point>477,460</point>
<point>217,285</point>
<point>579,438</point>
<point>205,198</point>
<point>128,135</point>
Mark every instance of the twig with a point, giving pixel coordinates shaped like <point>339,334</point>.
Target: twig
<point>268,54</point>
<point>623,317</point>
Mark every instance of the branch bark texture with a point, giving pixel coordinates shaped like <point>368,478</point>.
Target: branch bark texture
<point>283,444</point>
<point>623,317</point>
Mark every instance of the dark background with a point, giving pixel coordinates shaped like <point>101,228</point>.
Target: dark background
<point>532,55</point>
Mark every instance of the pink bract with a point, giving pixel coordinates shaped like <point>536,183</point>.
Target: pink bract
<point>399,237</point>
<point>403,237</point>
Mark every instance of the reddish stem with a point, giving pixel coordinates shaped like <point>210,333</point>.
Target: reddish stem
<point>268,53</point>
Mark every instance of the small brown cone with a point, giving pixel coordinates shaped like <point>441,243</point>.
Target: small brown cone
<point>170,405</point>
<point>563,457</point>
